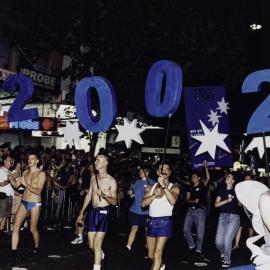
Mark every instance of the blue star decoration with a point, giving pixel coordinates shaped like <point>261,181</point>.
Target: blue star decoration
<point>129,132</point>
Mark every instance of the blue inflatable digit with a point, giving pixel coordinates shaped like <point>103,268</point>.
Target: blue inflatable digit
<point>26,90</point>
<point>260,119</point>
<point>173,88</point>
<point>107,103</point>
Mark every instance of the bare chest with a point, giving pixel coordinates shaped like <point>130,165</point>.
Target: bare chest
<point>31,178</point>
<point>103,184</point>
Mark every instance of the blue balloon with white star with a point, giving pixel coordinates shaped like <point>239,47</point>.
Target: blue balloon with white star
<point>172,73</point>
<point>107,103</point>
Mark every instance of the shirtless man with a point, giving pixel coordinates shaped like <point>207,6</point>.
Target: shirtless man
<point>102,196</point>
<point>33,181</point>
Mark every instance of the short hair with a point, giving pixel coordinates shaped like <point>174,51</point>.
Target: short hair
<point>34,154</point>
<point>105,155</point>
<point>248,174</point>
<point>196,173</point>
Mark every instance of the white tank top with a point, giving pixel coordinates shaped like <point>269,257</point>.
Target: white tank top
<point>160,207</point>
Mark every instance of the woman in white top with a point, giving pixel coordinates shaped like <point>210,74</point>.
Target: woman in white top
<point>160,197</point>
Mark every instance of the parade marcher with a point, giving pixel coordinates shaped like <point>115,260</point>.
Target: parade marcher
<point>102,193</point>
<point>196,198</point>
<point>33,180</point>
<point>161,198</point>
<point>229,220</point>
<point>17,192</point>
<point>137,216</point>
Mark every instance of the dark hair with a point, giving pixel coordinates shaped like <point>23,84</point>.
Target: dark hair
<point>165,163</point>
<point>248,174</point>
<point>234,175</point>
<point>6,157</point>
<point>196,173</point>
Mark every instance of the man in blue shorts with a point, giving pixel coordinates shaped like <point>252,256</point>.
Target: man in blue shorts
<point>102,193</point>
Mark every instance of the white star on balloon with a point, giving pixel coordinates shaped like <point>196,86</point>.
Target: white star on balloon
<point>213,117</point>
<point>223,106</point>
<point>129,132</point>
<point>257,142</point>
<point>210,141</point>
<point>71,133</point>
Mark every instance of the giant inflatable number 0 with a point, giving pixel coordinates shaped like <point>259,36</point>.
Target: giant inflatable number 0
<point>26,89</point>
<point>84,107</point>
<point>173,88</point>
<point>260,119</point>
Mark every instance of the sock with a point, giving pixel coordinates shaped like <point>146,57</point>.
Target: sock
<point>97,267</point>
<point>102,255</point>
<point>128,247</point>
<point>162,267</point>
<point>80,235</point>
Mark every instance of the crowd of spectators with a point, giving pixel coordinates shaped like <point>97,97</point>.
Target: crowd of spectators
<point>68,172</point>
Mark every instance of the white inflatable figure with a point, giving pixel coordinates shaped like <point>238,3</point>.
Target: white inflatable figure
<point>255,196</point>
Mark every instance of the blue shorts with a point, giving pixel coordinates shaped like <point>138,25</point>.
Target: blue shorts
<point>98,219</point>
<point>136,219</point>
<point>159,226</point>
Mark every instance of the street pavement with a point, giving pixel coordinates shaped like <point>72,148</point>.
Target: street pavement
<point>56,252</point>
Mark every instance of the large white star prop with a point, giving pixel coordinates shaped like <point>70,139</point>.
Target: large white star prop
<point>210,141</point>
<point>213,117</point>
<point>71,133</point>
<point>257,142</point>
<point>223,106</point>
<point>129,132</point>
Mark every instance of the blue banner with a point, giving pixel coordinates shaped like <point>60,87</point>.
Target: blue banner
<point>208,127</point>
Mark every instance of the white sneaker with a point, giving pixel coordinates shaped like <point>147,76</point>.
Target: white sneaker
<point>78,240</point>
<point>162,267</point>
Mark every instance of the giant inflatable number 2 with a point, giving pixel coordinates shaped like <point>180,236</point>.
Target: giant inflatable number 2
<point>26,89</point>
<point>260,119</point>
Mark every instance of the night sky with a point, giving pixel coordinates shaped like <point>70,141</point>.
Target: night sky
<point>211,41</point>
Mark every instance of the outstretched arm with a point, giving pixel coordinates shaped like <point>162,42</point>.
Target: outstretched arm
<point>207,179</point>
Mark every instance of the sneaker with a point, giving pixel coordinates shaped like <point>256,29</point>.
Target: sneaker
<point>226,264</point>
<point>163,266</point>
<point>200,260</point>
<point>78,240</point>
<point>35,251</point>
<point>126,251</point>
<point>103,262</point>
<point>222,258</point>
<point>14,258</point>
<point>202,257</point>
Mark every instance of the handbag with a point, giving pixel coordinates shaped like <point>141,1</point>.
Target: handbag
<point>3,195</point>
